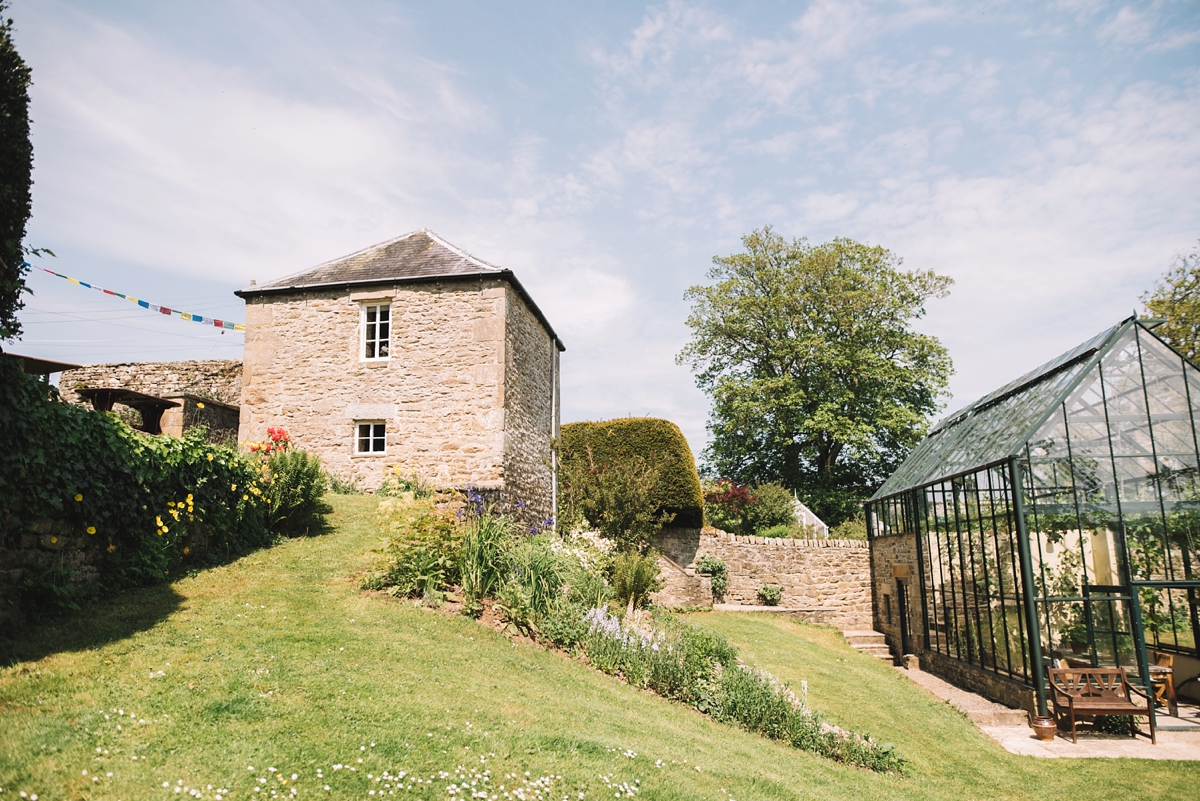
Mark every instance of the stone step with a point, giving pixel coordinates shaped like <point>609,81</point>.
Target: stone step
<point>857,638</point>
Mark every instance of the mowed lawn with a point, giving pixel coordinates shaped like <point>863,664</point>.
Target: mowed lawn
<point>279,661</point>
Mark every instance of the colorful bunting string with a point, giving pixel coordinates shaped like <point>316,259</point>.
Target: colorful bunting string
<point>195,318</point>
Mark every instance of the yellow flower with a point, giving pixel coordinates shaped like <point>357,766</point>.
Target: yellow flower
<point>189,499</point>
<point>199,405</point>
<point>79,497</point>
<point>165,529</point>
<point>158,519</point>
<point>54,539</point>
<point>245,497</point>
<point>233,488</point>
<point>91,529</point>
<point>186,551</point>
<point>210,457</point>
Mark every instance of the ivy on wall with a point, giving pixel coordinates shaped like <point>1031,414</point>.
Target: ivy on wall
<point>141,506</point>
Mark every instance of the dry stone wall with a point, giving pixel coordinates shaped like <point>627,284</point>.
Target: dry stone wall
<point>826,581</point>
<point>218,379</point>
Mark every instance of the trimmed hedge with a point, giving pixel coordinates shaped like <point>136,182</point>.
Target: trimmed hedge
<point>659,442</point>
<point>142,506</point>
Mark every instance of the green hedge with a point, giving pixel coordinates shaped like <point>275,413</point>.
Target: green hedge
<point>659,442</point>
<point>143,506</point>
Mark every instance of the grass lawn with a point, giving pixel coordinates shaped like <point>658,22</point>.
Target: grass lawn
<point>278,661</point>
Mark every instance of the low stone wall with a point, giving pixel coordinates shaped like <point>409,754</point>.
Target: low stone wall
<point>218,379</point>
<point>52,544</point>
<point>996,688</point>
<point>825,581</point>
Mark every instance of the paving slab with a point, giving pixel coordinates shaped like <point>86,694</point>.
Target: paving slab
<point>1178,737</point>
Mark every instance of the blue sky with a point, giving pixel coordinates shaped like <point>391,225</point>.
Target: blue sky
<point>1046,156</point>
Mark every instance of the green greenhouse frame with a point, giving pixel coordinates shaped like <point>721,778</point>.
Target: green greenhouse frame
<point>1055,520</point>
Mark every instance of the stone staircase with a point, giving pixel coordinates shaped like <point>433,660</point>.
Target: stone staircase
<point>869,642</point>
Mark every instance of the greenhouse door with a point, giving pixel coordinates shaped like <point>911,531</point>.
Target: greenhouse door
<point>1111,637</point>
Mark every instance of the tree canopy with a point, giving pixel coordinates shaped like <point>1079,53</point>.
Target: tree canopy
<point>816,377</point>
<point>16,164</point>
<point>1176,299</point>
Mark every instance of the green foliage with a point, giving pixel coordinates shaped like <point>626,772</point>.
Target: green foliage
<point>759,703</point>
<point>712,566</point>
<point>660,446</point>
<point>771,508</point>
<point>342,486</point>
<point>634,577</point>
<point>1113,724</point>
<point>816,377</point>
<point>700,668</point>
<point>296,494</point>
<point>537,575</point>
<point>618,500</point>
<point>770,594</point>
<point>1176,299</point>
<point>145,506</point>
<point>782,532</point>
<point>423,550</point>
<point>482,563</point>
<point>852,528</point>
<point>397,484</point>
<point>16,164</point>
<point>563,625</point>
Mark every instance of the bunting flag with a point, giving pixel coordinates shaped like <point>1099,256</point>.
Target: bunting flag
<point>195,318</point>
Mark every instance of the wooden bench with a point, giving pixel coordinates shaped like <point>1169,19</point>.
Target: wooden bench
<point>1097,691</point>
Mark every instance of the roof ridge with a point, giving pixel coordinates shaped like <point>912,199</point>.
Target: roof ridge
<point>437,238</point>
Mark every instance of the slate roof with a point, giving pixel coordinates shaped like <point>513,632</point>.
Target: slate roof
<point>419,256</point>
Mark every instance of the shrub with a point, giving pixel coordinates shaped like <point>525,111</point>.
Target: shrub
<point>342,486</point>
<point>564,625</point>
<point>770,594</point>
<point>143,505</point>
<point>725,502</point>
<point>659,443</point>
<point>423,550</point>
<point>296,493</point>
<point>852,528</point>
<point>396,484</point>
<point>772,507</point>
<point>617,499</point>
<point>779,532</point>
<point>634,577</point>
<point>712,566</point>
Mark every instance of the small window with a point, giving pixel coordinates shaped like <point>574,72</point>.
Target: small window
<point>372,438</point>
<point>376,331</point>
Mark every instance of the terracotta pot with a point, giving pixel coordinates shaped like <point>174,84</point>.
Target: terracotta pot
<point>1045,728</point>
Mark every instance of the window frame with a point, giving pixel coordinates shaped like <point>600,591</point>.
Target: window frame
<point>363,341</point>
<point>374,436</point>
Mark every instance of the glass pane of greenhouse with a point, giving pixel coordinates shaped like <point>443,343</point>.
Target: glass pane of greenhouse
<point>1091,463</point>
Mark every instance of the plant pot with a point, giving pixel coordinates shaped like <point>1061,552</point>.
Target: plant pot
<point>1045,727</point>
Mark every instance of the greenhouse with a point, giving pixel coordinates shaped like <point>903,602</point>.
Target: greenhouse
<point>1052,522</point>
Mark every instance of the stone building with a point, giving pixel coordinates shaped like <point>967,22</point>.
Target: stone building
<point>409,354</point>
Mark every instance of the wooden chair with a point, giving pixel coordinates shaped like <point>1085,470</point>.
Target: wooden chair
<point>1097,691</point>
<point>1162,679</point>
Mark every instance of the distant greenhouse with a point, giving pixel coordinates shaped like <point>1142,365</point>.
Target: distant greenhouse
<point>1053,519</point>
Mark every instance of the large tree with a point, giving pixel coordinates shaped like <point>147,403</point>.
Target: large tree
<point>816,376</point>
<point>1176,299</point>
<point>16,164</point>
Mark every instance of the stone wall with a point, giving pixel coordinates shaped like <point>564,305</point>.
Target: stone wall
<point>996,688</point>
<point>894,566</point>
<point>530,391</point>
<point>826,581</point>
<point>218,379</point>
<point>442,393</point>
<point>51,543</point>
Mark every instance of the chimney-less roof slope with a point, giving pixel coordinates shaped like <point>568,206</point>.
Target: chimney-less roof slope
<point>420,254</point>
<point>415,257</point>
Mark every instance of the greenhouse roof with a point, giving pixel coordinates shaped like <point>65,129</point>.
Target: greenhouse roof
<point>997,426</point>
